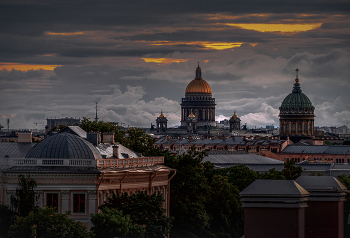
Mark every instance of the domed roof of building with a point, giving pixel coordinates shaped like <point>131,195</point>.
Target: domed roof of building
<point>64,146</point>
<point>198,85</point>
<point>235,115</point>
<point>297,100</point>
<point>161,114</point>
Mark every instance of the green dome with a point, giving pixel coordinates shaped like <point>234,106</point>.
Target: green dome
<point>297,102</point>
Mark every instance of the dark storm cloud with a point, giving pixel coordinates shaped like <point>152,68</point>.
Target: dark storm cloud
<point>18,75</point>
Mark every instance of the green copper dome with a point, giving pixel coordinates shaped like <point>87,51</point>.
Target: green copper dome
<point>297,102</point>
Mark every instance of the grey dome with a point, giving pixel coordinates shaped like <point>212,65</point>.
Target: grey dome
<point>64,146</point>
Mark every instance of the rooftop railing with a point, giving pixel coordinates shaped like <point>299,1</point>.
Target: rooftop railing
<point>132,162</point>
<point>51,162</point>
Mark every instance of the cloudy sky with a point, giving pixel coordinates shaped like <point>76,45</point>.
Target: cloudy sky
<point>135,58</point>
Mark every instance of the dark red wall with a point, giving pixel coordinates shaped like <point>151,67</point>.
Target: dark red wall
<point>274,222</point>
<point>324,220</point>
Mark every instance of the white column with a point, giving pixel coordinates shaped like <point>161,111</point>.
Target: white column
<point>92,201</point>
<point>65,201</point>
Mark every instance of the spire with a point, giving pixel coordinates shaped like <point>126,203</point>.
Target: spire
<point>297,79</point>
<point>96,118</point>
<point>297,88</point>
<point>198,72</point>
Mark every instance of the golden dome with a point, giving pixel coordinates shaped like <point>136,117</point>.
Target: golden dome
<point>198,85</point>
<point>235,115</point>
<point>161,114</point>
<point>191,115</point>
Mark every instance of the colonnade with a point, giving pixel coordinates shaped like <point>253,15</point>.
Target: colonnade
<point>297,127</point>
<point>203,114</point>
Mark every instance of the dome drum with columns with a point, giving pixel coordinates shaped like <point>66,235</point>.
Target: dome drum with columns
<point>199,101</point>
<point>297,115</point>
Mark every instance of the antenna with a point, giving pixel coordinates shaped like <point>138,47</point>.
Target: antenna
<point>96,118</point>
<point>8,125</point>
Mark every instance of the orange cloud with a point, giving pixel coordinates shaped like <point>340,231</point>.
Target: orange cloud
<point>163,60</point>
<point>280,28</point>
<point>253,44</point>
<point>206,61</point>
<point>205,44</point>
<point>3,116</point>
<point>26,67</point>
<point>64,33</point>
<point>13,115</point>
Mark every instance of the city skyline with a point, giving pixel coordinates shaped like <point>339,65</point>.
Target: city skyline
<point>136,58</point>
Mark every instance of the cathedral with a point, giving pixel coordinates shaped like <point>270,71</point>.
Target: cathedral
<point>199,102</point>
<point>297,115</point>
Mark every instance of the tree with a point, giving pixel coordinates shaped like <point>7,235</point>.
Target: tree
<point>7,217</point>
<point>240,175</point>
<point>290,171</point>
<point>112,223</point>
<point>190,192</point>
<point>23,201</point>
<point>47,222</point>
<point>144,210</point>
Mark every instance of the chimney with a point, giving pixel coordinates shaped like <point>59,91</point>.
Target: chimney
<point>327,194</point>
<point>190,137</point>
<point>267,137</point>
<point>202,137</point>
<point>108,137</point>
<point>233,137</point>
<point>279,138</point>
<point>251,137</point>
<point>180,137</point>
<point>116,151</point>
<point>93,138</point>
<point>24,136</point>
<point>168,137</point>
<point>244,138</point>
<point>213,137</point>
<point>274,208</point>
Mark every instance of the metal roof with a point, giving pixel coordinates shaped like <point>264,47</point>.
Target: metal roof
<point>14,150</point>
<point>64,146</point>
<point>240,159</point>
<point>317,149</point>
<point>76,130</point>
<point>124,152</point>
<point>262,187</point>
<point>320,183</point>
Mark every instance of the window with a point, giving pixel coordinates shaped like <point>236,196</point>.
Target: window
<point>79,203</point>
<point>52,200</point>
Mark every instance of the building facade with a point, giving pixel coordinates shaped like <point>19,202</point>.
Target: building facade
<point>235,123</point>
<point>75,175</point>
<point>199,100</point>
<point>56,122</point>
<point>297,115</point>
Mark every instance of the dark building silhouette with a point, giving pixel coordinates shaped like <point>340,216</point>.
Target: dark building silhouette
<point>235,122</point>
<point>297,115</point>
<point>161,122</point>
<point>199,101</point>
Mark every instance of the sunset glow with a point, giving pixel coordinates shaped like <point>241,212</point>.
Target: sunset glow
<point>64,33</point>
<point>163,60</point>
<point>26,67</point>
<point>205,44</point>
<point>282,28</point>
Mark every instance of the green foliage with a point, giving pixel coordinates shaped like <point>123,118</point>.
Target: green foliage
<point>112,223</point>
<point>23,201</point>
<point>346,142</point>
<point>7,217</point>
<point>290,171</point>
<point>273,174</point>
<point>327,142</point>
<point>47,222</point>
<point>315,174</point>
<point>144,210</point>
<point>240,175</point>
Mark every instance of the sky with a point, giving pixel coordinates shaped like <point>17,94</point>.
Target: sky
<point>135,58</point>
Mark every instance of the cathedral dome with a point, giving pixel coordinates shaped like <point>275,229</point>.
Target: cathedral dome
<point>198,85</point>
<point>297,102</point>
<point>64,146</point>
